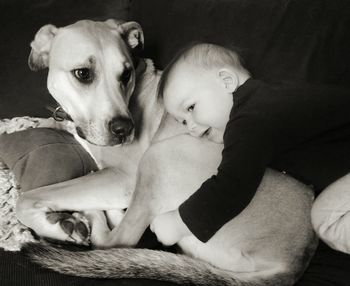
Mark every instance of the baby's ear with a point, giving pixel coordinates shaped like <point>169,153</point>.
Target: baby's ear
<point>228,79</point>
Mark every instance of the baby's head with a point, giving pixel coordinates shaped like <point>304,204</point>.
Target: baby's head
<point>197,88</point>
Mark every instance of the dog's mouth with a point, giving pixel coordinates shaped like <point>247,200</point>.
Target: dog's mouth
<point>122,140</point>
<point>80,132</point>
<point>59,114</point>
<point>107,139</point>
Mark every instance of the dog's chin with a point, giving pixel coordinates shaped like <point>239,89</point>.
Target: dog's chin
<point>109,140</point>
<point>115,141</point>
<point>104,139</point>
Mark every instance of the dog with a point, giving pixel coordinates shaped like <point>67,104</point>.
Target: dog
<point>149,165</point>
<point>100,113</point>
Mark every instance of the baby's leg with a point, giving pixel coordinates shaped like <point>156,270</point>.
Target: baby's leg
<point>331,215</point>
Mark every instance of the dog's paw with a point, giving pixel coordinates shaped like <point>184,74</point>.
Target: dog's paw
<point>75,225</point>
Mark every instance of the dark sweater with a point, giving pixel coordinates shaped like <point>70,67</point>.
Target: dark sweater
<point>300,129</point>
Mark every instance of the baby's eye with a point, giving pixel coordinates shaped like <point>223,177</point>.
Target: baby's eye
<point>190,108</point>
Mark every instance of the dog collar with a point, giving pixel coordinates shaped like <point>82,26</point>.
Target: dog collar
<point>59,114</point>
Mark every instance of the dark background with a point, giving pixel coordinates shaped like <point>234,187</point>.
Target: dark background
<point>279,39</point>
<point>298,39</point>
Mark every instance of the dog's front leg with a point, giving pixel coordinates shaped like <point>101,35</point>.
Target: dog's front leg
<point>143,206</point>
<point>102,190</point>
<point>127,234</point>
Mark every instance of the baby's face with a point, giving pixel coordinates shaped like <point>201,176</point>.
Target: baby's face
<point>197,98</point>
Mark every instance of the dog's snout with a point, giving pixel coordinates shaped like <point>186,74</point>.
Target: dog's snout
<point>121,127</point>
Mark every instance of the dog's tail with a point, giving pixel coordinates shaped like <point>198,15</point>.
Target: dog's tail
<point>137,263</point>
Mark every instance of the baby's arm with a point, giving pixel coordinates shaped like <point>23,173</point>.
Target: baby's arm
<point>249,146</point>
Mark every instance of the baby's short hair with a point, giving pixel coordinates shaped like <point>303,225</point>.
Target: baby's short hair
<point>202,55</point>
<point>208,56</point>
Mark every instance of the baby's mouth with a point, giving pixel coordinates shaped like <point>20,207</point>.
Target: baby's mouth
<point>206,133</point>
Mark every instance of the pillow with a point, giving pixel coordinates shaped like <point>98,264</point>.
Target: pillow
<point>44,156</point>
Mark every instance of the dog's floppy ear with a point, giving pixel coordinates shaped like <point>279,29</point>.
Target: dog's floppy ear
<point>130,31</point>
<point>39,55</point>
<point>133,34</point>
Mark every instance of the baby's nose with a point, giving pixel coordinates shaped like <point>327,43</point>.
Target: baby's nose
<point>191,127</point>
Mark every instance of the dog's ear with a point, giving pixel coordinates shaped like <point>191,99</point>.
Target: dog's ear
<point>130,31</point>
<point>39,55</point>
<point>133,34</point>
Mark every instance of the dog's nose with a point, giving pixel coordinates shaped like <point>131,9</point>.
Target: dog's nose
<point>121,127</point>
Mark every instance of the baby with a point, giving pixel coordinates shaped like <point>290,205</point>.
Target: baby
<point>299,129</point>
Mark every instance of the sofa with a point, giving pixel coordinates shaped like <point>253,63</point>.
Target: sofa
<point>305,40</point>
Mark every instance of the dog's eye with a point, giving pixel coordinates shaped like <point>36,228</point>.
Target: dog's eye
<point>84,75</point>
<point>125,76</point>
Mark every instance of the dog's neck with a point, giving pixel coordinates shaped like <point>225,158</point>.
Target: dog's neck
<point>146,109</point>
<point>140,68</point>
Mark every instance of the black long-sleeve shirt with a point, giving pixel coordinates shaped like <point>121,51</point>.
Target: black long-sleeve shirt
<point>300,129</point>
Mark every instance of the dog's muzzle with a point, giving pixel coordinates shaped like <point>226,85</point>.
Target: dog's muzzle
<point>121,128</point>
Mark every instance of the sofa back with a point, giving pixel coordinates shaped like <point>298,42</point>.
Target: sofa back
<point>279,39</point>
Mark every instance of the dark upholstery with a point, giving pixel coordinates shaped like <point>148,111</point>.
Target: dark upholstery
<point>279,39</point>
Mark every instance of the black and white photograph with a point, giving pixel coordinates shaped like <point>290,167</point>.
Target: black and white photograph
<point>175,142</point>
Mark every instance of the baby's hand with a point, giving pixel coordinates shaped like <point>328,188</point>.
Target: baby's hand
<point>169,228</point>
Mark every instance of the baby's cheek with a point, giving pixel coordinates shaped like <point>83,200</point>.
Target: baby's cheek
<point>216,136</point>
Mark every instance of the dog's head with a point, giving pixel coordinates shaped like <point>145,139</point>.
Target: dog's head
<point>91,75</point>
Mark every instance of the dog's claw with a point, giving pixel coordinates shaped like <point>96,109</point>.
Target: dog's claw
<point>82,230</point>
<point>54,217</point>
<point>67,226</point>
